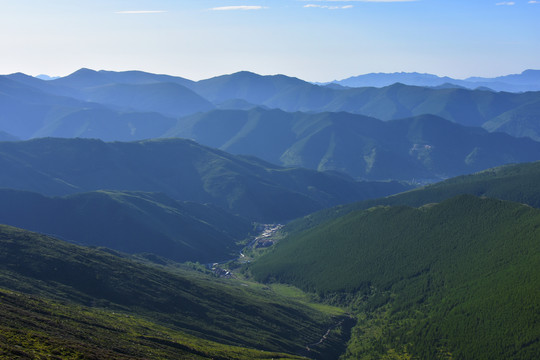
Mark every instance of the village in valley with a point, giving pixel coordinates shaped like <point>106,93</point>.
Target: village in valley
<point>266,238</point>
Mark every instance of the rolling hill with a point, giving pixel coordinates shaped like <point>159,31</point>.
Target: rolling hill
<point>128,105</point>
<point>181,169</point>
<point>34,327</point>
<point>130,222</point>
<point>107,125</point>
<point>88,78</point>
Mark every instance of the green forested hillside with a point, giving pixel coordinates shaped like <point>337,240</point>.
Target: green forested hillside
<point>131,222</point>
<point>231,313</point>
<point>514,182</point>
<point>182,169</point>
<point>457,279</point>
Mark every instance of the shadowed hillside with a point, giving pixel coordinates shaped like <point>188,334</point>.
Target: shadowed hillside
<point>181,169</point>
<point>131,222</point>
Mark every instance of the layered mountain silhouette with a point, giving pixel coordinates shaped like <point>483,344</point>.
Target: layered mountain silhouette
<point>528,80</point>
<point>30,105</point>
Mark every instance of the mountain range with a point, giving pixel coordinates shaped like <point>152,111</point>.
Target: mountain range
<point>417,149</point>
<point>283,120</point>
<point>32,107</point>
<point>528,80</point>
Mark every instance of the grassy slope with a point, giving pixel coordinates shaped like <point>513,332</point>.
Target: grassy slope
<point>458,278</point>
<point>229,313</point>
<point>34,327</point>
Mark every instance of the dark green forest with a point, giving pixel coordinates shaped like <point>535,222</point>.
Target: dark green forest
<point>457,278</point>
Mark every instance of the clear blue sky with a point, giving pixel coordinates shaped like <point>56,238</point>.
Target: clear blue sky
<point>314,40</point>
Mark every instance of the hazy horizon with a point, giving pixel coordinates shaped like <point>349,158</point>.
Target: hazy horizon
<point>315,40</point>
<point>314,81</point>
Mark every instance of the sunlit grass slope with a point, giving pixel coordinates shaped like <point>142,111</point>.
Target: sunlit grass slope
<point>229,312</point>
<point>33,328</point>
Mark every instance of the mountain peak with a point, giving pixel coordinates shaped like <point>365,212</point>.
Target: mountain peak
<point>83,72</point>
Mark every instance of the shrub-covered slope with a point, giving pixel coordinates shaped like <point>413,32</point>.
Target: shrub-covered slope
<point>34,327</point>
<point>458,279</point>
<point>229,313</point>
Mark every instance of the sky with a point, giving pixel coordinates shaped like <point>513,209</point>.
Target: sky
<point>315,40</point>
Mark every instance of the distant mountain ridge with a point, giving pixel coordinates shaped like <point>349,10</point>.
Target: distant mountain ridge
<point>528,80</point>
<point>31,107</point>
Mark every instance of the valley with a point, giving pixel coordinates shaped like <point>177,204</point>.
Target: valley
<point>250,216</point>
